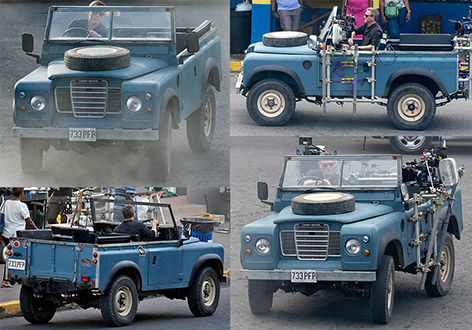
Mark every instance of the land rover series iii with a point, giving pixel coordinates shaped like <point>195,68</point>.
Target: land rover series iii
<point>410,76</point>
<point>112,271</point>
<point>129,86</point>
<point>351,222</point>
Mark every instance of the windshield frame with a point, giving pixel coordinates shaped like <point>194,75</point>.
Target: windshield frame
<point>109,39</point>
<point>341,186</point>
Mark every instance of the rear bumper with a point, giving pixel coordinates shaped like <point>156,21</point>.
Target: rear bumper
<point>322,275</point>
<point>52,285</point>
<point>116,134</point>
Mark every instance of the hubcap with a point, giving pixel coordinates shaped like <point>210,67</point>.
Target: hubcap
<point>445,264</point>
<point>411,107</point>
<point>390,292</point>
<point>271,103</point>
<point>123,300</point>
<point>208,291</point>
<point>411,142</point>
<point>207,123</point>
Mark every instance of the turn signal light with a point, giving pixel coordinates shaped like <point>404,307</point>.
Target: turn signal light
<point>366,252</point>
<point>22,108</point>
<point>148,110</point>
<point>248,252</point>
<point>94,261</point>
<point>9,253</point>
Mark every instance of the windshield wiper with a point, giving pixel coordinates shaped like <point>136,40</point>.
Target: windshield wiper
<point>320,188</point>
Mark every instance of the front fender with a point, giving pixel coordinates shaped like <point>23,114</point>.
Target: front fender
<point>251,79</point>
<point>207,258</point>
<point>397,251</point>
<point>170,102</point>
<point>211,75</point>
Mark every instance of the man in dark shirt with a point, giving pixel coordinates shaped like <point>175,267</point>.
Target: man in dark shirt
<point>93,24</point>
<point>371,31</point>
<point>131,226</point>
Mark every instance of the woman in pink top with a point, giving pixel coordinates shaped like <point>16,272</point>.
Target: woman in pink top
<point>357,9</point>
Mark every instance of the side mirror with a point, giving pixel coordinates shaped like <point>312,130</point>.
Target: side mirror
<point>191,40</point>
<point>448,172</point>
<point>262,191</point>
<point>27,42</point>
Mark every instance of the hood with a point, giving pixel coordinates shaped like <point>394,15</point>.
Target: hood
<point>297,50</point>
<point>139,66</point>
<point>362,211</point>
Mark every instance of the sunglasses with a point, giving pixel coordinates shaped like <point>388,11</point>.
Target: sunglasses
<point>327,164</point>
<point>101,14</point>
<point>368,15</point>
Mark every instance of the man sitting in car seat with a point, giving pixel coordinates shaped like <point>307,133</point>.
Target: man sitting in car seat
<point>93,24</point>
<point>371,31</point>
<point>131,226</point>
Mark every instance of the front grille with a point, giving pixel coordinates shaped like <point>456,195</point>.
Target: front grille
<point>88,98</point>
<point>289,247</point>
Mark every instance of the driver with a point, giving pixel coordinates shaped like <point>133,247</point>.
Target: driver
<point>131,226</point>
<point>93,23</point>
<point>371,31</point>
<point>329,175</point>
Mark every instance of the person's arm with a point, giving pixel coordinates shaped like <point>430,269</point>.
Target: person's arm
<point>273,8</point>
<point>30,223</point>
<point>382,11</point>
<point>408,10</point>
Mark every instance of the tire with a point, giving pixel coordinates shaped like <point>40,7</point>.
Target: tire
<point>411,106</point>
<point>160,151</point>
<point>271,102</point>
<point>3,253</point>
<point>323,203</point>
<point>201,124</point>
<point>445,271</point>
<point>204,293</point>
<point>35,310</point>
<point>410,144</point>
<point>97,58</point>
<point>31,156</point>
<point>285,39</point>
<point>120,302</point>
<point>383,291</point>
<point>260,296</point>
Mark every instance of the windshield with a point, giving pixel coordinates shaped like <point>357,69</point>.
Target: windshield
<point>340,172</point>
<point>111,23</point>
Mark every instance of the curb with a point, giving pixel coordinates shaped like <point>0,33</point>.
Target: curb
<point>10,308</point>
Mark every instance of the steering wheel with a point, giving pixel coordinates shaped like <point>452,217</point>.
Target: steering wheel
<point>325,31</point>
<point>76,32</point>
<point>309,177</point>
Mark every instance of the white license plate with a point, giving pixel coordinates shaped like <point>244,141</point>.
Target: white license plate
<point>239,82</point>
<point>82,134</point>
<point>303,276</point>
<point>16,264</point>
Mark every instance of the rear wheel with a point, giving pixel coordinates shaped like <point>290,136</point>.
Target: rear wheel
<point>260,296</point>
<point>204,294</point>
<point>411,106</point>
<point>3,253</point>
<point>445,271</point>
<point>383,291</point>
<point>31,156</point>
<point>271,102</point>
<point>120,302</point>
<point>201,124</point>
<point>35,309</point>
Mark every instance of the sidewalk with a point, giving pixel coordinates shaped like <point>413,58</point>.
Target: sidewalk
<point>9,304</point>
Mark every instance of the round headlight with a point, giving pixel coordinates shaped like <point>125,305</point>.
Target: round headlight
<point>38,103</point>
<point>134,104</point>
<point>353,246</point>
<point>262,246</point>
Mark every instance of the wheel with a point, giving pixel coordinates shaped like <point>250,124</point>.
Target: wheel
<point>271,102</point>
<point>97,58</point>
<point>204,294</point>
<point>3,253</point>
<point>323,203</point>
<point>309,177</point>
<point>445,271</point>
<point>284,39</point>
<point>35,309</point>
<point>410,144</point>
<point>160,150</point>
<point>31,156</point>
<point>120,302</point>
<point>260,296</point>
<point>201,124</point>
<point>383,291</point>
<point>76,32</point>
<point>411,106</point>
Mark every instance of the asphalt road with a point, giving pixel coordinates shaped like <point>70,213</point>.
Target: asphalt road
<point>105,166</point>
<point>260,159</point>
<point>153,313</point>
<point>454,118</point>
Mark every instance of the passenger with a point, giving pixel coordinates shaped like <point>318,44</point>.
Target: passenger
<point>131,226</point>
<point>93,24</point>
<point>17,215</point>
<point>328,174</point>
<point>356,8</point>
<point>396,18</point>
<point>288,11</point>
<point>371,31</point>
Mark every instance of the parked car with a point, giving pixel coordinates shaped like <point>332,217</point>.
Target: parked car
<point>129,87</point>
<point>351,222</point>
<point>410,78</point>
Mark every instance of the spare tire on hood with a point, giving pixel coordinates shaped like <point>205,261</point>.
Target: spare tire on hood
<point>97,58</point>
<point>323,203</point>
<point>285,39</point>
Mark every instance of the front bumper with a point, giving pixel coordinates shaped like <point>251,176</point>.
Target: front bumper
<point>322,275</point>
<point>116,134</point>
